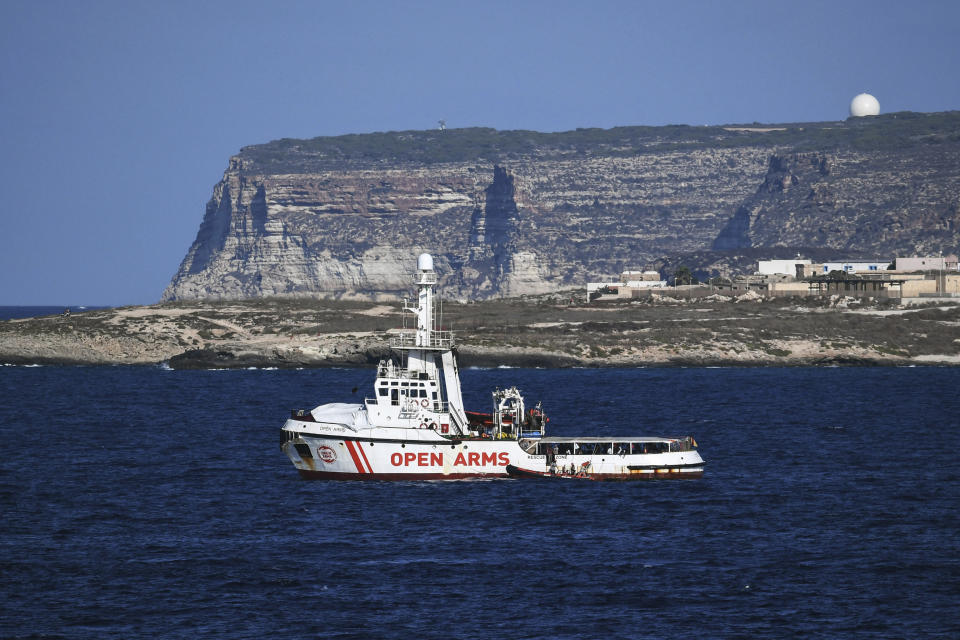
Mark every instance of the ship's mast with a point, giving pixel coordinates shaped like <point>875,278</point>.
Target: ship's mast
<point>428,342</point>
<point>426,278</point>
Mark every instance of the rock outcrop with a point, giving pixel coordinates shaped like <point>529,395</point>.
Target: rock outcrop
<point>509,213</point>
<point>853,202</point>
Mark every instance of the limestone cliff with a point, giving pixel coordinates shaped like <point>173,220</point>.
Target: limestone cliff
<point>850,202</point>
<point>508,213</point>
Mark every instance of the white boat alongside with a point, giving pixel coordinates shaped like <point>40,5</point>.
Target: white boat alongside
<point>415,426</point>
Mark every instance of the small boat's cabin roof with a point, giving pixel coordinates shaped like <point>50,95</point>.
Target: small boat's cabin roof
<point>593,446</point>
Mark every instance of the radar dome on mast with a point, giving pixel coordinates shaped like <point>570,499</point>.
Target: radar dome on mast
<point>425,262</point>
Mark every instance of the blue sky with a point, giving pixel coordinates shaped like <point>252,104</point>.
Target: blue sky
<point>117,118</point>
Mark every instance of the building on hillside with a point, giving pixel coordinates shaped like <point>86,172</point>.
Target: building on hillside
<point>851,266</point>
<point>856,286</point>
<point>855,279</point>
<point>932,263</point>
<point>761,283</point>
<point>642,280</point>
<point>903,285</point>
<point>640,276</point>
<point>629,282</point>
<point>786,267</point>
<point>949,285</point>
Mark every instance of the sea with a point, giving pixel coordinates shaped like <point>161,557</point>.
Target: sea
<point>144,502</point>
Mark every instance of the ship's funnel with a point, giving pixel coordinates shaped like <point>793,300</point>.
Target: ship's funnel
<point>425,262</point>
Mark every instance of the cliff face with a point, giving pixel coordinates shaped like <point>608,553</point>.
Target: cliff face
<point>904,203</point>
<point>508,213</point>
<point>338,233</point>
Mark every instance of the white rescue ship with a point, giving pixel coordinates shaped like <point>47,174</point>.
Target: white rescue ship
<point>416,428</point>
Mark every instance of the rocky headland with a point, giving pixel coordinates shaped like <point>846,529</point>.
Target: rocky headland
<point>304,243</point>
<point>557,330</point>
<point>509,213</point>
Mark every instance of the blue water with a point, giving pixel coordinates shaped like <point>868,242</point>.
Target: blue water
<point>142,502</point>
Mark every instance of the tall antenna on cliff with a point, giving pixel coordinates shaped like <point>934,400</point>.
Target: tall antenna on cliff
<point>443,125</point>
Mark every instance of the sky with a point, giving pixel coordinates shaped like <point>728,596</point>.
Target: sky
<point>117,118</point>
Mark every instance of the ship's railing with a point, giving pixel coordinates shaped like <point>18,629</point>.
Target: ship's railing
<point>435,340</point>
<point>426,277</point>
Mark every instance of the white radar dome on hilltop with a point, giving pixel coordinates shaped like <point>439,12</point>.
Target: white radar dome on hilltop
<point>425,262</point>
<point>864,105</point>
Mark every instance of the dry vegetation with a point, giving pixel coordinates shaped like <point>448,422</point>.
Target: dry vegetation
<point>786,331</point>
<point>542,330</point>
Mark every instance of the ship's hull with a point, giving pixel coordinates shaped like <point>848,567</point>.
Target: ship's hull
<point>423,456</point>
<point>308,474</point>
<point>650,473</point>
<point>330,452</point>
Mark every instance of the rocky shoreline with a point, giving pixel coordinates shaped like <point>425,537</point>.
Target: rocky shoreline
<point>522,332</point>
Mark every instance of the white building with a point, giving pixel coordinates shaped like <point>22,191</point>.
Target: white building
<point>630,280</point>
<point>854,266</point>
<point>645,284</point>
<point>642,279</point>
<point>784,267</point>
<point>935,263</point>
<point>632,276</point>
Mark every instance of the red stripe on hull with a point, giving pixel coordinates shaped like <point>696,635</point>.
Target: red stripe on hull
<point>356,458</point>
<point>364,456</point>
